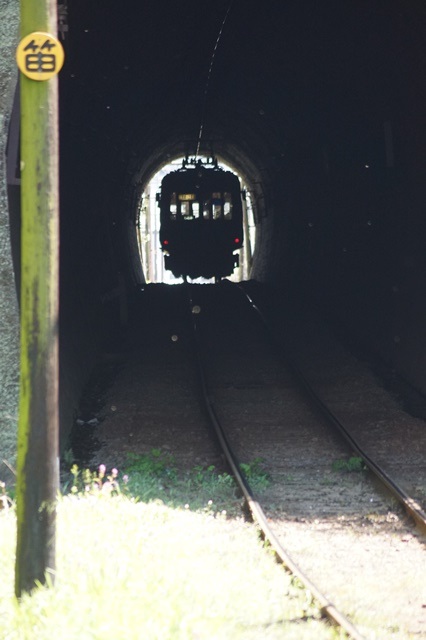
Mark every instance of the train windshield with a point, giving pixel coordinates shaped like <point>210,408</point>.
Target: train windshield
<point>184,206</point>
<point>214,206</point>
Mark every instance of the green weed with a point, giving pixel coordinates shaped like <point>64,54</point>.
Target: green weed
<point>154,476</point>
<point>156,463</point>
<point>353,464</point>
<point>255,474</point>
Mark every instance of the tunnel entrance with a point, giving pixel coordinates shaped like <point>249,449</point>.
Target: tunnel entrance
<point>319,107</point>
<point>148,230</point>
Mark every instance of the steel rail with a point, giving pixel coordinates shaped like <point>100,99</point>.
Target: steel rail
<point>413,508</point>
<point>327,608</point>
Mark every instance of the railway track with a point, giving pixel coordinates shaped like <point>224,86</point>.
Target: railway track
<point>240,338</point>
<point>332,522</point>
<point>412,505</point>
<point>328,609</point>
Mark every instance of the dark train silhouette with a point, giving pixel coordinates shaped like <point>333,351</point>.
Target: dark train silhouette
<point>201,220</point>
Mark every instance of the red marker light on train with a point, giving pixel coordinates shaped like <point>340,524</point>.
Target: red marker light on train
<point>237,240</point>
<point>165,242</point>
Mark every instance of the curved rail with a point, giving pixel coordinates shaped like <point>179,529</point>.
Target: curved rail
<point>413,508</point>
<point>327,608</point>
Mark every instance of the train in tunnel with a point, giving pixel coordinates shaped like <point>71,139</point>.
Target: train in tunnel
<point>201,220</point>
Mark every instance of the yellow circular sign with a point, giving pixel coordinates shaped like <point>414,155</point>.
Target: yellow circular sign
<point>40,56</point>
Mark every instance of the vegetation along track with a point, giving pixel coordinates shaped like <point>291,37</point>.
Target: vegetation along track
<point>317,477</point>
<point>353,542</point>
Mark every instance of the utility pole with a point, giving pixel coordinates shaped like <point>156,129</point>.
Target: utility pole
<point>39,57</point>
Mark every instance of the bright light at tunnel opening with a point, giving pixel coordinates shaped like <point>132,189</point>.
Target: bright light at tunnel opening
<point>149,232</point>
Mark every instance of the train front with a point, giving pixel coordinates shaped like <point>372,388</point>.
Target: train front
<point>201,221</point>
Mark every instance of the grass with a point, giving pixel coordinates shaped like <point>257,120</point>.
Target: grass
<point>142,569</point>
<point>354,464</point>
<point>155,476</point>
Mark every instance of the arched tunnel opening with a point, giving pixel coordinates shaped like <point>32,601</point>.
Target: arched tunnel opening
<point>318,106</point>
<point>148,223</point>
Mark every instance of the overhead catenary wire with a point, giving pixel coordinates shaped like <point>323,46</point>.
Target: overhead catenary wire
<point>209,73</point>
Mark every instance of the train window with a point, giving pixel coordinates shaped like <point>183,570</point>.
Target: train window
<point>227,206</point>
<point>217,205</point>
<point>189,209</point>
<point>185,210</point>
<point>173,206</point>
<point>206,210</point>
<point>196,210</point>
<point>217,211</point>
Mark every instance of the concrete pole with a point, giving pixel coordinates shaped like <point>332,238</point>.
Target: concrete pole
<point>38,462</point>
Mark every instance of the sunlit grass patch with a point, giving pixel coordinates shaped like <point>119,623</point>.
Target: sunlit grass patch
<point>152,553</point>
<point>132,570</point>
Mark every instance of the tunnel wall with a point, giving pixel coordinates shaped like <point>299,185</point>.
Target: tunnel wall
<point>353,231</point>
<point>95,282</point>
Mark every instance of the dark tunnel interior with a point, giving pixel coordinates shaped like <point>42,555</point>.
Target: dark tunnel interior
<point>319,105</point>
